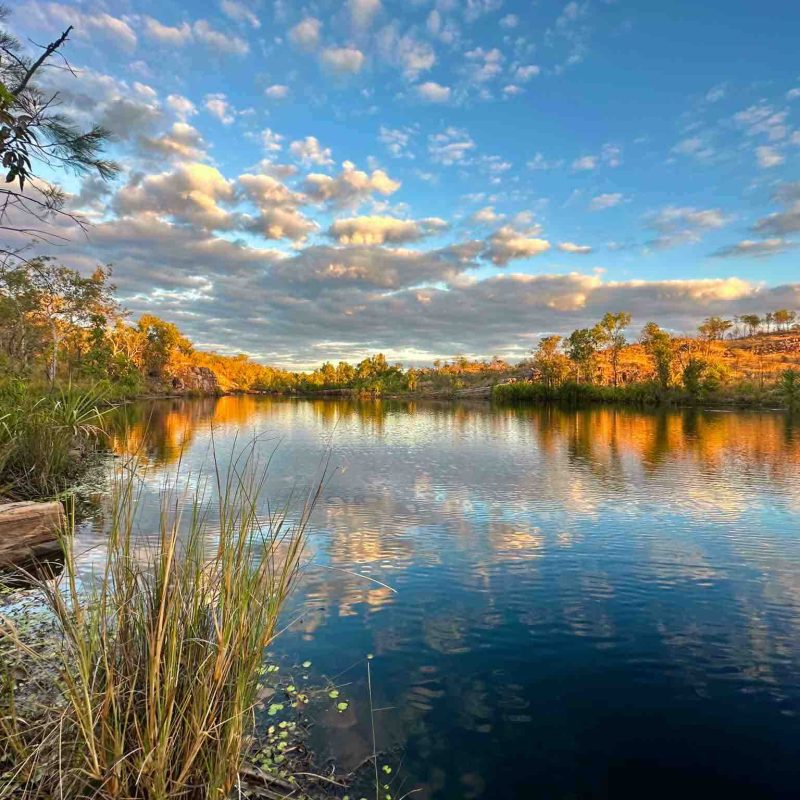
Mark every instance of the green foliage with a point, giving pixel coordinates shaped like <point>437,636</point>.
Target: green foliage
<point>692,377</point>
<point>550,363</point>
<point>610,331</point>
<point>658,345</point>
<point>572,393</point>
<point>789,388</point>
<point>581,348</point>
<point>715,328</point>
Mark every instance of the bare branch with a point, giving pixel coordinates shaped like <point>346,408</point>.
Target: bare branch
<point>48,51</point>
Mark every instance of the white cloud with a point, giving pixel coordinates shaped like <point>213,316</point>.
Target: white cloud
<point>755,248</point>
<point>177,36</point>
<point>306,33</point>
<point>793,94</point>
<point>451,146</point>
<point>182,106</point>
<point>86,24</point>
<point>271,141</point>
<point>199,31</point>
<point>362,12</point>
<point>192,192</point>
<point>485,65</point>
<point>396,141</point>
<point>217,105</point>
<point>610,155</point>
<point>585,163</point>
<point>277,91</point>
<point>342,60</point>
<point>509,21</point>
<point>507,244</point>
<point>768,157</point>
<point>410,55</point>
<point>603,201</point>
<point>350,187</point>
<point>432,92</point>
<point>181,141</point>
<point>309,151</point>
<point>695,147</point>
<point>762,119</point>
<point>218,41</point>
<point>683,225</point>
<point>575,249</point>
<point>539,162</point>
<point>474,9</point>
<point>372,230</point>
<point>486,216</point>
<point>527,71</point>
<point>239,12</point>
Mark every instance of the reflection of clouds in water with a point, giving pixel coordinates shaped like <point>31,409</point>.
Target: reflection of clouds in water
<point>664,541</point>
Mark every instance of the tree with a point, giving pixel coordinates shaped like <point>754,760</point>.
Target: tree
<point>611,331</point>
<point>657,344</point>
<point>715,328</point>
<point>769,318</point>
<point>46,301</point>
<point>752,321</point>
<point>551,364</point>
<point>34,136</point>
<point>784,318</point>
<point>164,345</point>
<point>581,348</point>
<point>693,376</point>
<point>789,388</point>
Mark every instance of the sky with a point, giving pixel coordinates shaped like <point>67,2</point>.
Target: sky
<point>311,181</point>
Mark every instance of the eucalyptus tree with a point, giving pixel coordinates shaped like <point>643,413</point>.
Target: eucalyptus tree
<point>610,331</point>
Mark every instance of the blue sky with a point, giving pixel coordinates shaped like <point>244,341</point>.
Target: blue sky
<point>319,180</point>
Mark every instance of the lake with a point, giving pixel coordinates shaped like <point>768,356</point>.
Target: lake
<point>598,603</point>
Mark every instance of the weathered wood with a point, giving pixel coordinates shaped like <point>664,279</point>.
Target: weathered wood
<point>28,529</point>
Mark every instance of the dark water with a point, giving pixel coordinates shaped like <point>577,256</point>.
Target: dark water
<point>586,604</point>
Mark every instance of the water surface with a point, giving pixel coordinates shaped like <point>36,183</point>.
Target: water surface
<point>598,603</point>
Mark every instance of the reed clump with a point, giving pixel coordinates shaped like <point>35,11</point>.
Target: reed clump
<point>45,438</point>
<point>161,653</point>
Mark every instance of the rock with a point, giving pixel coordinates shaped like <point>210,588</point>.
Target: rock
<point>28,530</point>
<point>200,380</point>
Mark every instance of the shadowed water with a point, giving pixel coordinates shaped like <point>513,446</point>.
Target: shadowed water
<point>583,604</point>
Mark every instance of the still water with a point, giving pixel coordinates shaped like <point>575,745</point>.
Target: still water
<point>598,603</point>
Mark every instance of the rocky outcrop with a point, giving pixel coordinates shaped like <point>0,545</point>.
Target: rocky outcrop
<point>196,380</point>
<point>774,343</point>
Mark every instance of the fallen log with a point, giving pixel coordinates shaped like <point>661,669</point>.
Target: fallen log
<point>29,532</point>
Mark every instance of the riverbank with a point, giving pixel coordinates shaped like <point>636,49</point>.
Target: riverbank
<point>782,396</point>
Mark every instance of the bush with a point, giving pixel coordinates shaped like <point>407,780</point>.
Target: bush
<point>577,394</point>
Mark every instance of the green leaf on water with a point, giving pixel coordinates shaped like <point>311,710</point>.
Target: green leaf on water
<point>306,664</point>
<point>342,706</point>
<point>333,694</point>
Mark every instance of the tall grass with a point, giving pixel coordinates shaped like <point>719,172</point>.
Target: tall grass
<point>161,655</point>
<point>45,438</point>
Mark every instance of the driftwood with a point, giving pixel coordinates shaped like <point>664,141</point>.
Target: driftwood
<point>29,532</point>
